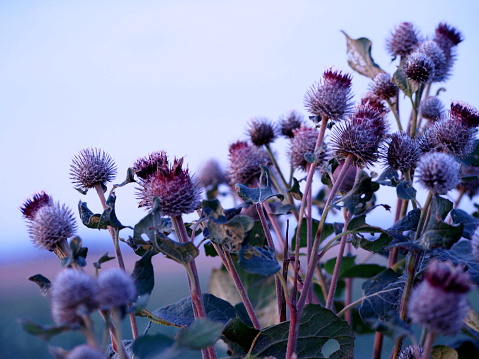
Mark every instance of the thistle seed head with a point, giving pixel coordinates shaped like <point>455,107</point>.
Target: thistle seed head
<point>31,206</point>
<point>419,67</point>
<point>439,302</point>
<point>116,289</point>
<point>85,352</point>
<point>244,163</point>
<point>332,97</point>
<point>464,113</point>
<point>431,108</point>
<point>211,174</point>
<point>290,122</point>
<point>402,40</point>
<point>177,191</point>
<point>303,143</point>
<point>261,131</point>
<point>411,352</point>
<point>147,166</point>
<point>91,167</point>
<point>432,50</point>
<point>400,152</point>
<point>383,87</point>
<point>51,224</point>
<point>73,294</point>
<point>438,172</point>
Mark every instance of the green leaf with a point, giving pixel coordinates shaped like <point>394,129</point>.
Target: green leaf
<point>473,158</point>
<point>258,260</point>
<point>356,199</point>
<point>104,258</point>
<point>440,208</point>
<point>181,312</point>
<point>443,235</point>
<point>256,236</point>
<point>43,282</point>
<point>351,270</point>
<point>201,334</point>
<point>317,326</point>
<point>408,223</point>
<point>328,229</point>
<point>469,222</point>
<point>79,253</point>
<point>130,177</point>
<point>230,234</point>
<point>295,190</point>
<point>405,85</point>
<point>472,320</point>
<point>43,332</point>
<point>375,245</point>
<point>144,313</point>
<point>108,217</point>
<point>405,190</point>
<point>182,253</point>
<point>88,218</point>
<point>359,56</point>
<point>240,333</point>
<point>144,274</point>
<point>153,346</point>
<point>443,352</point>
<point>260,193</point>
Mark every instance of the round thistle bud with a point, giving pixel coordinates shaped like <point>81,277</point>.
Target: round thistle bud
<point>432,50</point>
<point>439,302</point>
<point>244,163</point>
<point>402,40</point>
<point>419,67</point>
<point>372,101</point>
<point>411,352</point>
<point>73,295</point>
<point>116,289</point>
<point>303,143</point>
<point>31,206</point>
<point>332,97</point>
<point>92,167</point>
<point>383,87</point>
<point>211,174</point>
<point>85,352</point>
<point>261,131</point>
<point>50,225</point>
<point>448,34</point>
<point>360,136</point>
<point>177,191</point>
<point>450,136</point>
<point>290,122</point>
<point>401,152</point>
<point>431,108</point>
<point>464,113</point>
<point>438,172</point>
<point>145,167</point>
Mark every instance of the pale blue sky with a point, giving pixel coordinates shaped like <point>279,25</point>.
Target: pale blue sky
<point>132,77</point>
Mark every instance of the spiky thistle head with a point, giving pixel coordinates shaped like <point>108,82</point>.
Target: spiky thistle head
<point>116,289</point>
<point>261,131</point>
<point>439,302</point>
<point>330,98</point>
<point>448,37</point>
<point>211,174</point>
<point>290,122</point>
<point>411,352</point>
<point>403,40</point>
<point>383,87</point>
<point>73,295</point>
<point>147,166</point>
<point>244,163</point>
<point>302,144</point>
<point>438,172</point>
<point>91,167</point>
<point>85,351</point>
<point>177,191</point>
<point>48,223</point>
<point>419,68</point>
<point>464,113</point>
<point>431,108</point>
<point>432,50</point>
<point>400,152</point>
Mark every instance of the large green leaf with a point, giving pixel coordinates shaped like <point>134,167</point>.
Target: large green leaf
<point>469,222</point>
<point>356,200</point>
<point>407,86</point>
<point>443,352</point>
<point>351,270</point>
<point>43,332</point>
<point>258,260</point>
<point>144,274</point>
<point>359,56</point>
<point>43,282</point>
<point>88,218</point>
<point>182,253</point>
<point>238,332</point>
<point>317,327</point>
<point>260,193</point>
<point>201,334</point>
<point>108,217</point>
<point>328,229</point>
<point>442,235</point>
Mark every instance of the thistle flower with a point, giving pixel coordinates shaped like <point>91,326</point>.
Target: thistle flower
<point>448,37</point>
<point>244,163</point>
<point>261,131</point>
<point>73,295</point>
<point>48,223</point>
<point>419,67</point>
<point>211,174</point>
<point>464,113</point>
<point>402,40</point>
<point>360,136</point>
<point>303,143</point>
<point>85,352</point>
<point>148,166</point>
<point>177,191</point>
<point>290,122</point>
<point>332,97</point>
<point>383,87</point>
<point>401,152</point>
<point>438,172</point>
<point>92,167</point>
<point>432,50</point>
<point>431,108</point>
<point>411,352</point>
<point>116,289</point>
<point>439,302</point>
<point>370,100</point>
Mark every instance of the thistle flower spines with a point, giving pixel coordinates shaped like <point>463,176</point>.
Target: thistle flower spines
<point>411,352</point>
<point>438,172</point>
<point>401,152</point>
<point>116,289</point>
<point>244,163</point>
<point>261,131</point>
<point>147,166</point>
<point>432,50</point>
<point>90,167</point>
<point>31,206</point>
<point>302,143</point>
<point>419,67</point>
<point>402,40</point>
<point>448,33</point>
<point>289,123</point>
<point>211,174</point>
<point>383,87</point>
<point>431,108</point>
<point>448,277</point>
<point>464,113</point>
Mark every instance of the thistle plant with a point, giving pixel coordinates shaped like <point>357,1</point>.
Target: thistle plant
<point>295,241</point>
